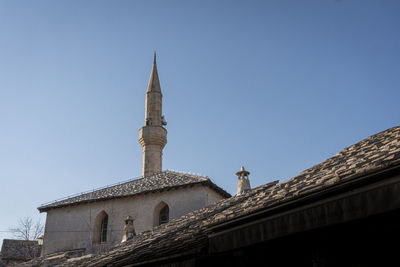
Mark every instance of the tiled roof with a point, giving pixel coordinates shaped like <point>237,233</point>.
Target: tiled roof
<point>156,182</point>
<point>188,234</point>
<point>376,152</point>
<point>19,249</point>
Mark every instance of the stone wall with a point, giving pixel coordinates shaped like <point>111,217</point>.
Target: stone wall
<point>73,227</point>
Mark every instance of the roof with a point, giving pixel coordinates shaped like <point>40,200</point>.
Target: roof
<point>153,183</point>
<point>189,234</point>
<point>23,250</point>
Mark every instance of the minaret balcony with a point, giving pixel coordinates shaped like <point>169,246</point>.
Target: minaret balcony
<point>153,135</point>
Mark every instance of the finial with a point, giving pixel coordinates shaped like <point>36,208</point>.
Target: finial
<point>155,57</point>
<point>129,218</point>
<point>242,172</point>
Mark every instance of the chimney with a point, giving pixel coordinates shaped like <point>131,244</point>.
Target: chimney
<point>243,181</point>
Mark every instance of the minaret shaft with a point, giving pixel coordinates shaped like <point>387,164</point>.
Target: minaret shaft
<point>153,109</point>
<point>153,136</point>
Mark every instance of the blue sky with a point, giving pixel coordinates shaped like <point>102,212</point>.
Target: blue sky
<point>276,86</point>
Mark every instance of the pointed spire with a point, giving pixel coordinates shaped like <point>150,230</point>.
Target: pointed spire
<point>154,82</point>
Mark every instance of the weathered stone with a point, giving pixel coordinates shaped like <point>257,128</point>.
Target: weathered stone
<point>243,181</point>
<point>153,136</point>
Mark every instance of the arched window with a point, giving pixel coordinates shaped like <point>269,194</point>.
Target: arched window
<point>103,229</point>
<point>164,215</point>
<point>161,213</point>
<point>100,228</point>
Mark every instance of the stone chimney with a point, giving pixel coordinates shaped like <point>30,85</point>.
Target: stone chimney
<point>243,181</point>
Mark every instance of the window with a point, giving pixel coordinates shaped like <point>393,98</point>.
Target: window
<point>161,213</point>
<point>100,228</point>
<point>103,231</point>
<point>164,215</point>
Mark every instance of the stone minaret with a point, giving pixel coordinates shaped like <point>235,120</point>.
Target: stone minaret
<point>153,136</point>
<point>243,181</point>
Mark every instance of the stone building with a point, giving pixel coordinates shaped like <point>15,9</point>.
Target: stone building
<point>94,221</point>
<point>344,211</point>
<point>14,251</point>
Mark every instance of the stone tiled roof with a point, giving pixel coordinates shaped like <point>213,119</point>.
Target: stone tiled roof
<point>188,234</point>
<point>19,250</point>
<point>376,152</point>
<point>157,182</point>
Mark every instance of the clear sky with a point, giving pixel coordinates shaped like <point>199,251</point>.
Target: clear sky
<point>276,86</point>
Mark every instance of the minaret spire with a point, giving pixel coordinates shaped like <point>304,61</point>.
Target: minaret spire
<point>153,136</point>
<point>154,82</point>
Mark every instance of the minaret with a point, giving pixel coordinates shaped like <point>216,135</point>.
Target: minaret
<point>153,136</point>
<point>243,181</point>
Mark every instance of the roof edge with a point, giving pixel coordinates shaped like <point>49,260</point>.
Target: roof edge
<point>343,181</point>
<point>206,182</point>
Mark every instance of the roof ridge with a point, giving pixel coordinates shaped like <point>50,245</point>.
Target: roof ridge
<point>368,138</point>
<point>343,153</point>
<point>187,173</point>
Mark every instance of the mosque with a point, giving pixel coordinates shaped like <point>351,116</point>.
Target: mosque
<point>344,211</point>
<point>95,221</point>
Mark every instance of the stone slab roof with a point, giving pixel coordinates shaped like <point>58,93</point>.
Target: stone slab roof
<point>154,183</point>
<point>19,250</point>
<point>188,234</point>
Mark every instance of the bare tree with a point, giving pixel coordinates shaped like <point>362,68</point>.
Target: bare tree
<point>27,229</point>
